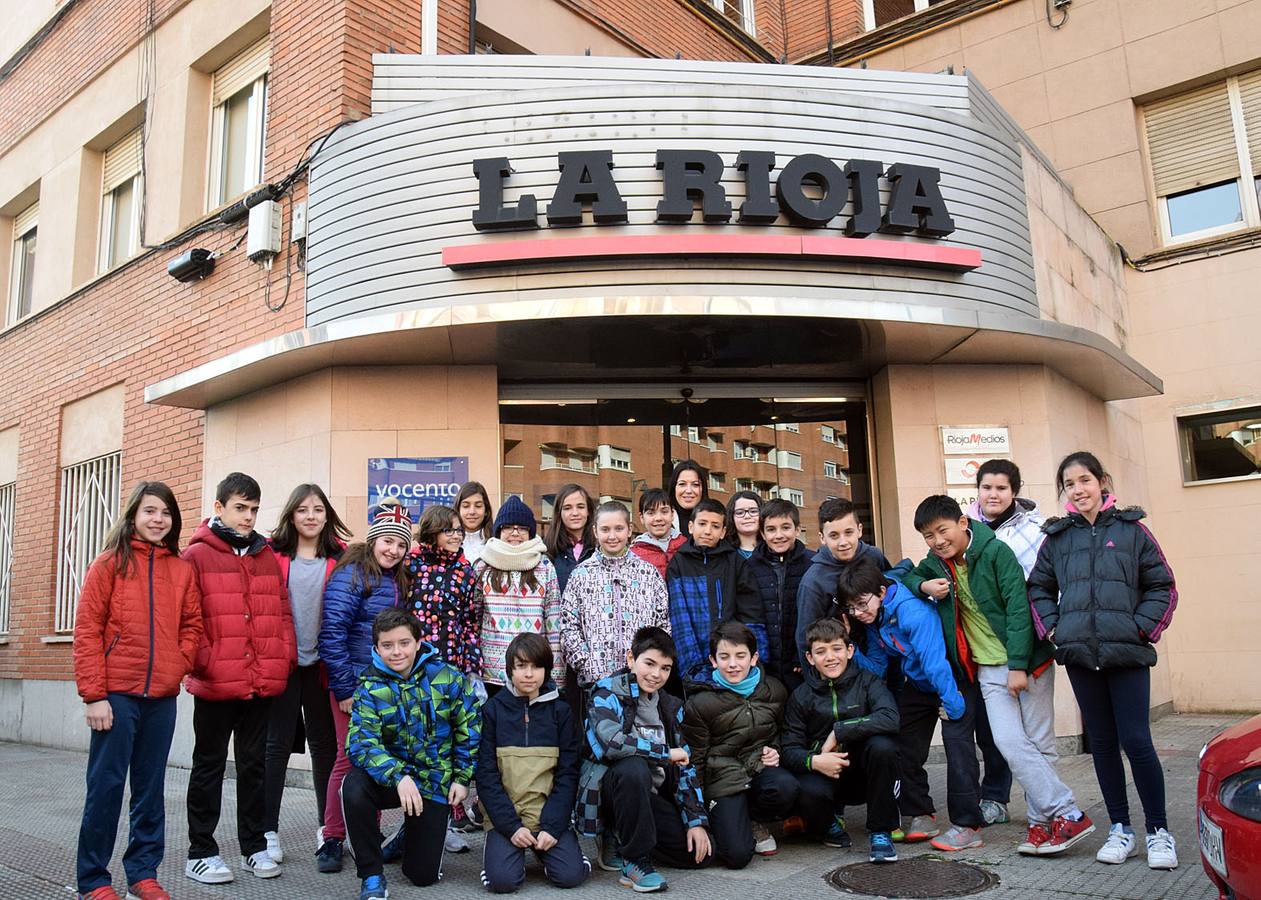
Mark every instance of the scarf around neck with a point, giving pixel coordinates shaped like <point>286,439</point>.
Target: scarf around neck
<point>231,537</point>
<point>744,688</point>
<point>523,557</point>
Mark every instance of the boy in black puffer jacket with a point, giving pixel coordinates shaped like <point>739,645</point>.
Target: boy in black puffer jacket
<point>839,741</point>
<point>527,774</point>
<point>732,722</point>
<point>778,564</point>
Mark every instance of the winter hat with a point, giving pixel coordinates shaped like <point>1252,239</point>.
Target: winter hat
<point>514,512</point>
<point>390,518</point>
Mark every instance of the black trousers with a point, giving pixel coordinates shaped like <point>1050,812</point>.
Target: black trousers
<point>770,796</point>
<point>870,778</point>
<point>214,722</point>
<point>305,699</point>
<point>503,863</point>
<point>918,711</point>
<point>646,823</point>
<point>362,801</point>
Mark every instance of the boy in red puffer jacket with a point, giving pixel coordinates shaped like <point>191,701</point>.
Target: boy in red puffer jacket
<point>247,652</point>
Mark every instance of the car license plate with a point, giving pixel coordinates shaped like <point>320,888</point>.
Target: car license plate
<point>1211,844</point>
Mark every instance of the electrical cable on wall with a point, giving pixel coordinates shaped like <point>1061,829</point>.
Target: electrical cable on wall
<point>1051,6</point>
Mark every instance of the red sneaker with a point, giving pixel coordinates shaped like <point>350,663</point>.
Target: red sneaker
<point>104,892</point>
<point>1038,835</point>
<point>1065,833</point>
<point>147,889</point>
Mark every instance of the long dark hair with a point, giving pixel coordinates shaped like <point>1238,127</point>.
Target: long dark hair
<point>433,521</point>
<point>557,538</point>
<point>474,489</point>
<point>333,536</point>
<point>118,540</point>
<point>685,515</point>
<point>368,572</point>
<point>733,537</point>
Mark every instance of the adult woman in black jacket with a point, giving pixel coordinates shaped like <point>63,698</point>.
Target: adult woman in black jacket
<point>1103,591</point>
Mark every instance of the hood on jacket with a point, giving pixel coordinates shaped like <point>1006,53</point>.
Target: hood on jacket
<point>823,556</point>
<point>1109,501</point>
<point>430,555</point>
<point>673,539</point>
<point>1024,506</point>
<point>1107,510</point>
<point>204,534</point>
<point>689,548</point>
<point>425,651</point>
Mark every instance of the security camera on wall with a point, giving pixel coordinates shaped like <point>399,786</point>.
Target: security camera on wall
<point>191,266</point>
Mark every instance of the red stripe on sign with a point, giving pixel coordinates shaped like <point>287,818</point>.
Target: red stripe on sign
<point>512,252</point>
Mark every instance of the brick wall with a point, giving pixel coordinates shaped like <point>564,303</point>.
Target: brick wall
<point>138,325</point>
<point>808,25</point>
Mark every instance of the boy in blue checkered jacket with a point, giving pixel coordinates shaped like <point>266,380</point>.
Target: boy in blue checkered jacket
<point>638,793</point>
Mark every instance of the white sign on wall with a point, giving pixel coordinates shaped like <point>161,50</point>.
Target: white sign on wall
<point>988,440</point>
<point>962,469</point>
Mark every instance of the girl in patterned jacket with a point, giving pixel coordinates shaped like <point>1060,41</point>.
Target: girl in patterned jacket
<point>521,594</point>
<point>608,598</point>
<point>1015,519</point>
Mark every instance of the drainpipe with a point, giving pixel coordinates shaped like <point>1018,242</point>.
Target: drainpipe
<point>472,27</point>
<point>429,27</point>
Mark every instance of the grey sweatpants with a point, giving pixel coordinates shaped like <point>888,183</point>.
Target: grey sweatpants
<point>1024,732</point>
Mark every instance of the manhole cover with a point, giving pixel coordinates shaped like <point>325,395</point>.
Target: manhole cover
<point>922,877</point>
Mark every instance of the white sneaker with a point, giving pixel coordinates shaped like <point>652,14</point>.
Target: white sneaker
<point>209,870</point>
<point>763,841</point>
<point>1162,853</point>
<point>455,843</point>
<point>261,864</point>
<point>274,850</point>
<point>1120,846</point>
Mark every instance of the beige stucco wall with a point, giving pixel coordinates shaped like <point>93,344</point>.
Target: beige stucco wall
<point>1199,323</point>
<point>1074,89</point>
<point>546,27</point>
<point>1047,417</point>
<point>323,427</point>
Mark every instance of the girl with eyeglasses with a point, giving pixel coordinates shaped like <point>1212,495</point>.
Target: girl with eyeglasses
<point>744,521</point>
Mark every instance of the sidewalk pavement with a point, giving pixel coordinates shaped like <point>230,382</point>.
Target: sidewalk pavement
<point>41,801</point>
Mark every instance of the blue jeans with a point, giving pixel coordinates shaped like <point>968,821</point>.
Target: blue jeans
<point>139,742</point>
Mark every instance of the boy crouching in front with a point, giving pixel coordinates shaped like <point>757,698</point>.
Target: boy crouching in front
<point>639,794</point>
<point>412,743</point>
<point>527,774</point>
<point>839,741</point>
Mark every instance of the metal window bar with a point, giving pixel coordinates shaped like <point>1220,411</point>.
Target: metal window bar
<point>8,495</point>
<point>89,504</point>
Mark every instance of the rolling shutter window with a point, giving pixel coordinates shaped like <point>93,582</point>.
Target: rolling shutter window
<point>122,162</point>
<point>1191,141</point>
<point>241,71</point>
<point>26,220</point>
<point>1250,99</point>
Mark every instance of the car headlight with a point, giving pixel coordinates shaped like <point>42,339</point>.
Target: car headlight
<point>1241,793</point>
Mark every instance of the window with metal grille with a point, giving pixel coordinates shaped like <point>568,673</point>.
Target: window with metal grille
<point>1204,152</point>
<point>89,505</point>
<point>8,494</point>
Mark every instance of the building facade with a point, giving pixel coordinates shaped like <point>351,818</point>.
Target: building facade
<point>866,221</point>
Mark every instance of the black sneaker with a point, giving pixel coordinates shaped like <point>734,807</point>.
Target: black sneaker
<point>392,850</point>
<point>328,859</point>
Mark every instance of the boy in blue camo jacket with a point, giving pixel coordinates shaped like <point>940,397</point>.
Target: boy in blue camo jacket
<point>414,731</point>
<point>638,793</point>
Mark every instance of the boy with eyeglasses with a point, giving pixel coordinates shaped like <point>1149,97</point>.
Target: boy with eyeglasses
<point>909,628</point>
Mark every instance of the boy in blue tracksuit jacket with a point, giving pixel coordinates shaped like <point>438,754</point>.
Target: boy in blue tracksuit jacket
<point>527,774</point>
<point>909,629</point>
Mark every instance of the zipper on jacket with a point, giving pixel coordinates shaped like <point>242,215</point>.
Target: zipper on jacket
<point>148,678</point>
<point>835,712</point>
<point>112,642</point>
<point>1094,632</point>
<point>527,723</point>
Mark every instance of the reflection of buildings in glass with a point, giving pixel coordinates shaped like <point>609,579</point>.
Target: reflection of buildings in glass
<point>806,463</point>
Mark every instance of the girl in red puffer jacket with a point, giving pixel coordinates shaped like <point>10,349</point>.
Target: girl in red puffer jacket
<point>136,635</point>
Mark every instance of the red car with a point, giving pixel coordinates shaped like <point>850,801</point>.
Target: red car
<point>1229,810</point>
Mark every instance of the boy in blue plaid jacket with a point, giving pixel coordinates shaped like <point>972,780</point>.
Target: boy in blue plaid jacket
<point>638,793</point>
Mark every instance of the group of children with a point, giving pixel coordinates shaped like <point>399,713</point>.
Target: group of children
<point>673,695</point>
